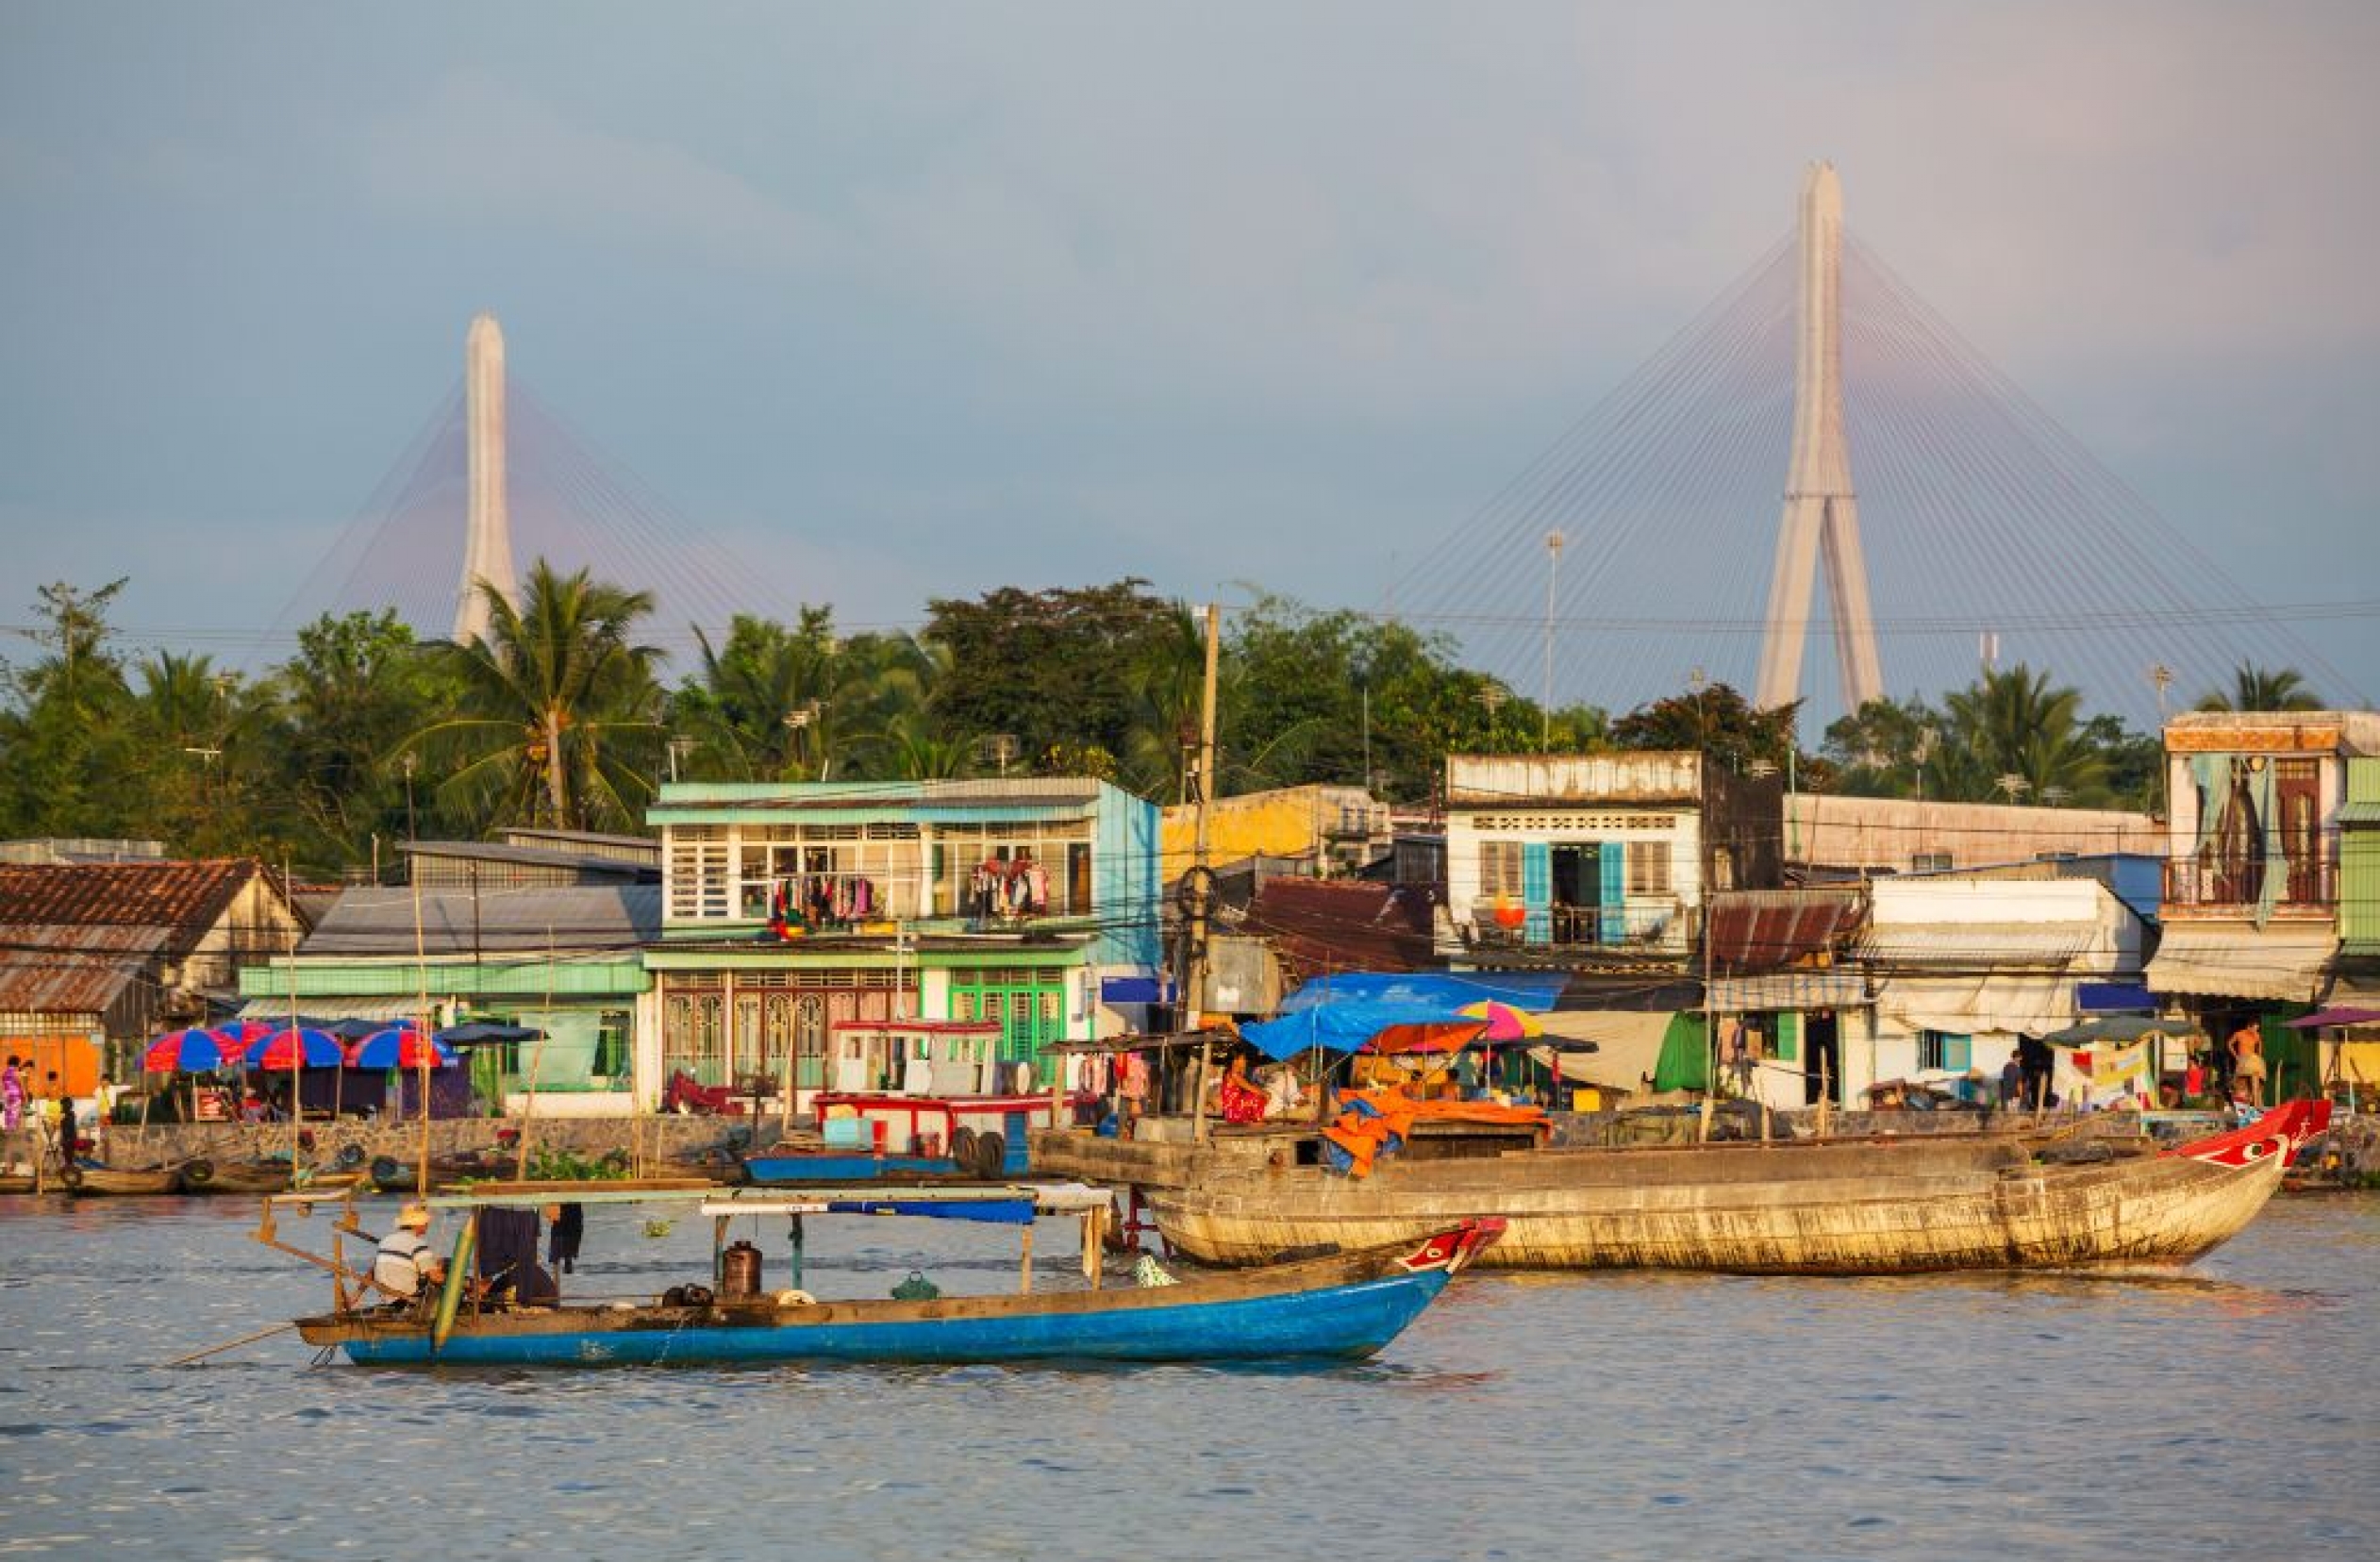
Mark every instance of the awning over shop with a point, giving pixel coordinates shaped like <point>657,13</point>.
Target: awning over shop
<point>2235,960</point>
<point>1627,1045</point>
<point>1978,1005</point>
<point>1788,989</point>
<point>277,1010</point>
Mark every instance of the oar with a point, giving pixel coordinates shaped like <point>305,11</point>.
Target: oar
<point>232,1344</point>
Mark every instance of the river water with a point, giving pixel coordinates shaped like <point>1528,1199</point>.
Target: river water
<point>2233,1406</point>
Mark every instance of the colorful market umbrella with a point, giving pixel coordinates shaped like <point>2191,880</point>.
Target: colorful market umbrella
<point>2322,1019</point>
<point>237,1034</point>
<point>291,1049</point>
<point>184,1051</point>
<point>478,1032</point>
<point>2122,1029</point>
<point>360,1030</point>
<point>400,1047</point>
<point>1505,1022</point>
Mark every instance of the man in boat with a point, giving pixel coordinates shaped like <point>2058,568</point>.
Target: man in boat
<point>405,1266</point>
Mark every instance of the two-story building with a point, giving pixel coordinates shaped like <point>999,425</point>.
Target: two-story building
<point>1597,860</point>
<point>2251,912</point>
<point>789,907</point>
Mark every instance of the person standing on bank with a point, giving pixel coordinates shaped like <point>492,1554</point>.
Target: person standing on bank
<point>2247,1060</point>
<point>406,1267</point>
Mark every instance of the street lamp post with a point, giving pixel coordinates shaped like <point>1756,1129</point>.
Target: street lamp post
<point>1554,541</point>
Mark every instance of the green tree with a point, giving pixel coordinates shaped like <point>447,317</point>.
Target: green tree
<point>559,711</point>
<point>2013,737</point>
<point>343,711</point>
<point>65,747</point>
<point>2254,688</point>
<point>1049,668</point>
<point>1720,722</point>
<point>1881,749</point>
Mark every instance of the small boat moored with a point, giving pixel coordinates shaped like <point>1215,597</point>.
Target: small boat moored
<point>1342,1307</point>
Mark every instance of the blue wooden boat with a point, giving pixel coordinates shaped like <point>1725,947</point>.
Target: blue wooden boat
<point>1342,1307</point>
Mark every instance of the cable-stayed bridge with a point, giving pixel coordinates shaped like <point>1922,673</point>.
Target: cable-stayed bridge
<point>1820,449</point>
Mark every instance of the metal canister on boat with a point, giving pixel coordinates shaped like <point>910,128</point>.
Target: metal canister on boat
<point>739,1271</point>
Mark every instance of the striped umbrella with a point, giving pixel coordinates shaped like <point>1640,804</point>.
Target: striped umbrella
<point>400,1047</point>
<point>184,1051</point>
<point>291,1049</point>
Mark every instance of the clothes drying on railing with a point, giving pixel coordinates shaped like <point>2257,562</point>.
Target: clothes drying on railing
<point>809,903</point>
<point>1004,891</point>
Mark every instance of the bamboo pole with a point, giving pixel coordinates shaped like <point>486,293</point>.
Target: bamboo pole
<point>1202,881</point>
<point>297,1047</point>
<point>423,1059</point>
<point>232,1344</point>
<point>537,1064</point>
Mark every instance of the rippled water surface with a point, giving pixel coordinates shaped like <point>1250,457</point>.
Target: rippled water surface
<point>2230,1409</point>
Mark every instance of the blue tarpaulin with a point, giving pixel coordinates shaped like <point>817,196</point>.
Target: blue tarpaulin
<point>1341,1013</point>
<point>1442,992</point>
<point>1341,1027</point>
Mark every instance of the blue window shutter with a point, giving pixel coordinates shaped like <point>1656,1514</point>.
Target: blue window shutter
<point>1613,920</point>
<point>1537,890</point>
<point>1958,1053</point>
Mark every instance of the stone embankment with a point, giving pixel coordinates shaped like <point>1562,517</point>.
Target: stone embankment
<point>659,1138</point>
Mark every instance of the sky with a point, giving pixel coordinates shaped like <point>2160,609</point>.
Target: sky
<point>904,300</point>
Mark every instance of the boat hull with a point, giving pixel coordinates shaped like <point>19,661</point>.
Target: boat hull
<point>109,1182</point>
<point>1747,1209</point>
<point>1341,1307</point>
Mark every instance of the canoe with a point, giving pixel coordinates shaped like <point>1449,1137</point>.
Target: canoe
<point>1769,1209</point>
<point>1341,1306</point>
<point>95,1182</point>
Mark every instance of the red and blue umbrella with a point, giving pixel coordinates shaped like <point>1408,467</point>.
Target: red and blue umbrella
<point>237,1034</point>
<point>184,1051</point>
<point>400,1047</point>
<point>303,1048</point>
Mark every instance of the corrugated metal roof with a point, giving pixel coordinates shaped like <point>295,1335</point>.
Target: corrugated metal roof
<point>69,969</point>
<point>1763,929</point>
<point>182,898</point>
<point>1976,946</point>
<point>564,918</point>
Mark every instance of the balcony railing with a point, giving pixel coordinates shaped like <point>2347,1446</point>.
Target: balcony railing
<point>2309,883</point>
<point>1666,929</point>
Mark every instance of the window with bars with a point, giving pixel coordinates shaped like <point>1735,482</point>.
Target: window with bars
<point>1945,1051</point>
<point>697,871</point>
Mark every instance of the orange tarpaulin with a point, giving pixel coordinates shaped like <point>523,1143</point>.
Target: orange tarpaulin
<point>1370,1118</point>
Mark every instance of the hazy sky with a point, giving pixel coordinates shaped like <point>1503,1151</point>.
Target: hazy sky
<point>906,300</point>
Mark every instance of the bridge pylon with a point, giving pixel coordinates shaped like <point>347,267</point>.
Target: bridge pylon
<point>1822,511</point>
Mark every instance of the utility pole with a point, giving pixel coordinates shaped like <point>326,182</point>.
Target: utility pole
<point>1201,878</point>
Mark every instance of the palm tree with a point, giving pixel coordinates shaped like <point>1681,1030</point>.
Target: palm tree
<point>2254,688</point>
<point>2013,734</point>
<point>548,695</point>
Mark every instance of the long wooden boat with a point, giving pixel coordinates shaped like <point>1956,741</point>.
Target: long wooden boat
<point>254,1177</point>
<point>112,1182</point>
<point>1796,1209</point>
<point>1344,1306</point>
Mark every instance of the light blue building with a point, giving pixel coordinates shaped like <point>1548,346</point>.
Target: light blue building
<point>791,908</point>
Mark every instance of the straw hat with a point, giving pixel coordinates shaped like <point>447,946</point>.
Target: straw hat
<point>414,1214</point>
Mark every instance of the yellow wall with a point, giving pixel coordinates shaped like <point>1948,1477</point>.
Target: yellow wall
<point>1287,822</point>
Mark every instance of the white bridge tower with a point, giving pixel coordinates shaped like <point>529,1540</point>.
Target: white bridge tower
<point>487,536</point>
<point>1821,514</point>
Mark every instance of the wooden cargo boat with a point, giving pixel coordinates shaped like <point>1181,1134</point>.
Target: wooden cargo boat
<point>89,1181</point>
<point>1338,1306</point>
<point>255,1177</point>
<point>1796,1209</point>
